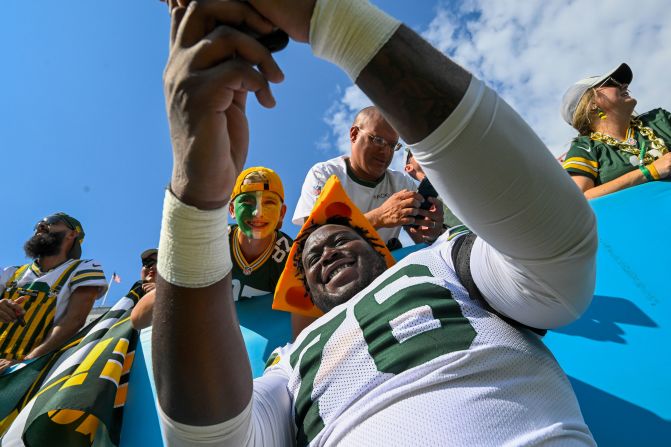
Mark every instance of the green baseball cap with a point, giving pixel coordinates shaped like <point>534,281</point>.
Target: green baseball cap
<point>76,250</point>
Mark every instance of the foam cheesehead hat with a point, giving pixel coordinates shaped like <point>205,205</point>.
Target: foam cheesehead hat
<point>258,178</point>
<point>290,293</point>
<point>622,74</point>
<point>76,250</point>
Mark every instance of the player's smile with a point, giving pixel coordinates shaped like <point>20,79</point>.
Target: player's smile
<point>339,271</point>
<point>338,263</point>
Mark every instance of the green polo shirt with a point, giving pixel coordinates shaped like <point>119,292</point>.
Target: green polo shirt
<point>602,162</point>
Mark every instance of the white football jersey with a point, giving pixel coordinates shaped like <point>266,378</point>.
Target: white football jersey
<point>412,360</point>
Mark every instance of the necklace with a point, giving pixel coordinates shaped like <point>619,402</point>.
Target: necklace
<point>638,156</point>
<point>248,268</point>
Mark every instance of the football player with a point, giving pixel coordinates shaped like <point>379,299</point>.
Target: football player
<point>440,349</point>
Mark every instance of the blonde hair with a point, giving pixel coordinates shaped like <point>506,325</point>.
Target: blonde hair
<point>582,118</point>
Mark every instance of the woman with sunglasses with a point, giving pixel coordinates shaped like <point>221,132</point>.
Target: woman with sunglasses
<point>615,149</point>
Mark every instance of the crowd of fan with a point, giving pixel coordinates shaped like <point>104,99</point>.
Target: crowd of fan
<point>46,301</point>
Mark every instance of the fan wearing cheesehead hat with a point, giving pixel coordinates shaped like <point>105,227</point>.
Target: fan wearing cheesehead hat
<point>45,302</point>
<point>615,149</point>
<point>258,248</point>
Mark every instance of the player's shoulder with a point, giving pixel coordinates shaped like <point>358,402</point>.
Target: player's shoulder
<point>279,358</point>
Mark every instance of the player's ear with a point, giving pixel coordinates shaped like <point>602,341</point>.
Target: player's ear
<point>231,209</point>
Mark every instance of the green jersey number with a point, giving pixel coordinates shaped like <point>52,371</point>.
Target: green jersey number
<point>406,321</point>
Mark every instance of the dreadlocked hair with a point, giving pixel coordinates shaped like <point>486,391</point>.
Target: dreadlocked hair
<point>334,220</point>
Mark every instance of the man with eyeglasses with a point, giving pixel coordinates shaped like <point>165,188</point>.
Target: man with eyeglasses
<point>388,198</point>
<point>46,302</point>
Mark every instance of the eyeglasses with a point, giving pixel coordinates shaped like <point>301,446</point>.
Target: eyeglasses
<point>381,142</point>
<point>610,82</point>
<point>148,263</point>
<point>53,220</point>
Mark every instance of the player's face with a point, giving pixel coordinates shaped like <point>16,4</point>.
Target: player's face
<point>373,147</point>
<point>338,264</point>
<point>258,213</point>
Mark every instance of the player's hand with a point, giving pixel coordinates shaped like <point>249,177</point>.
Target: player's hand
<point>292,16</point>
<point>663,165</point>
<point>399,209</point>
<point>429,223</point>
<point>211,68</point>
<point>11,310</point>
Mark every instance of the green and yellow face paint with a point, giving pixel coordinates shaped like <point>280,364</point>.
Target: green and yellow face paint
<point>257,213</point>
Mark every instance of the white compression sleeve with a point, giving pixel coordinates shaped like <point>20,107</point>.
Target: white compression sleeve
<point>535,261</point>
<point>349,33</point>
<point>193,247</point>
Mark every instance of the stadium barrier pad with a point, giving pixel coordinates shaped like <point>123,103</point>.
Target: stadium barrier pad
<point>616,355</point>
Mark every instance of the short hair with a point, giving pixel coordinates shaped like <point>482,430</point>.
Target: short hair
<point>305,234</point>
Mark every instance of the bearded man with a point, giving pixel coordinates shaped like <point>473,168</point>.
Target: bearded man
<point>46,302</point>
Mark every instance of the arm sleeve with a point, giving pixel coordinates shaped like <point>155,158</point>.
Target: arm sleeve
<point>312,187</point>
<point>89,274</point>
<point>266,421</point>
<point>535,258</point>
<point>581,160</point>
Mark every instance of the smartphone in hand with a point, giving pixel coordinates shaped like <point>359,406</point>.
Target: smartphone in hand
<point>427,190</point>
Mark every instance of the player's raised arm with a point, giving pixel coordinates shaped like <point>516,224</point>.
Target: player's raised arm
<point>200,363</point>
<point>486,163</point>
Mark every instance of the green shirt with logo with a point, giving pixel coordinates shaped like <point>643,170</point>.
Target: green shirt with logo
<point>602,162</point>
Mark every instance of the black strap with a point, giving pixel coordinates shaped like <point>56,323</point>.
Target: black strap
<point>461,259</point>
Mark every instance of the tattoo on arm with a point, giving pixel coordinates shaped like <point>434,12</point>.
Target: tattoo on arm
<point>415,86</point>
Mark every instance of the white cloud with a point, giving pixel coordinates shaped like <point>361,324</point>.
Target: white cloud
<point>531,51</point>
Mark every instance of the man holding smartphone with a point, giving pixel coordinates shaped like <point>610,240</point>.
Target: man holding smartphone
<point>388,198</point>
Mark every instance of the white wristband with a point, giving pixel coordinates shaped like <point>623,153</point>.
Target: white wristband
<point>349,33</point>
<point>193,249</point>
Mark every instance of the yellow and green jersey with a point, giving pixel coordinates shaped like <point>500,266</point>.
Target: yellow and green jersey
<point>48,298</point>
<point>260,276</point>
<point>602,162</point>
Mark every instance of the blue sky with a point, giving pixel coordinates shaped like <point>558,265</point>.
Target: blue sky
<point>83,126</point>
